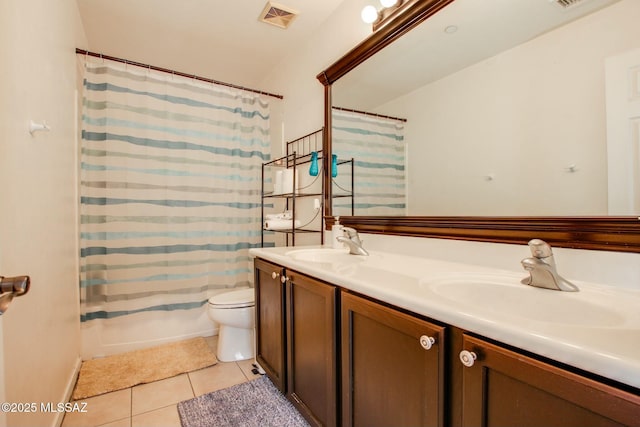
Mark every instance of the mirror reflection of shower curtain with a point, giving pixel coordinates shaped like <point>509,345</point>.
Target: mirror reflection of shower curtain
<point>379,151</point>
<point>170,190</point>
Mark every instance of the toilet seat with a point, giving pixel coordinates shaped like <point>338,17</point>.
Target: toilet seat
<point>234,299</point>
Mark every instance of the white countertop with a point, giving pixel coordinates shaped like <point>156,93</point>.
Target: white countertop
<point>596,329</point>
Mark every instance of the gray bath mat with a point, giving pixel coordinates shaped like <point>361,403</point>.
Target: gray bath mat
<point>257,403</point>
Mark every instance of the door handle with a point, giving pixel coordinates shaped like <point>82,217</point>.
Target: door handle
<point>12,287</point>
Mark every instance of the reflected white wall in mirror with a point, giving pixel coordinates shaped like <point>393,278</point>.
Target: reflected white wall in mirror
<point>519,132</point>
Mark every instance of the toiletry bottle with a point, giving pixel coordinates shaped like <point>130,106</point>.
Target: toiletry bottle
<point>313,168</point>
<point>336,231</point>
<point>334,165</point>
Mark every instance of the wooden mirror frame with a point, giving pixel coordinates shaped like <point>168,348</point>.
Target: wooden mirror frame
<point>610,233</point>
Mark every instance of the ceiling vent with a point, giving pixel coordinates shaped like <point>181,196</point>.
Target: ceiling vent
<point>565,4</point>
<point>278,15</point>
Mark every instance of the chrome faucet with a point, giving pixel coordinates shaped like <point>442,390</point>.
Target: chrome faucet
<point>352,239</point>
<point>542,269</point>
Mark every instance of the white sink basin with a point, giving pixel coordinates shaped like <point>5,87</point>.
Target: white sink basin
<point>505,295</point>
<point>325,256</point>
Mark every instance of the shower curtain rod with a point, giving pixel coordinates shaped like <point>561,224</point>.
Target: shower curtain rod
<point>366,113</point>
<point>176,73</point>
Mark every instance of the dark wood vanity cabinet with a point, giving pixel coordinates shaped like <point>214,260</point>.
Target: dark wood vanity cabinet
<point>270,321</point>
<point>506,388</point>
<point>311,348</point>
<point>392,367</point>
<point>345,359</point>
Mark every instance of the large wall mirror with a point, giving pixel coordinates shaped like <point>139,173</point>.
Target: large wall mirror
<point>492,120</point>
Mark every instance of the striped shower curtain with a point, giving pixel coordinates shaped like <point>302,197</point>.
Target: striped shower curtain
<point>170,190</point>
<point>378,150</point>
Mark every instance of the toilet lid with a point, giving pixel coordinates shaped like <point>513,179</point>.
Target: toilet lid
<point>234,299</point>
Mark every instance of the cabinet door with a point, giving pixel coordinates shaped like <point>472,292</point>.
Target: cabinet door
<point>311,358</point>
<point>505,388</point>
<point>388,377</point>
<point>270,321</point>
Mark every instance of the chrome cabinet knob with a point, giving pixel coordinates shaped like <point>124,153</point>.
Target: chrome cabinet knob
<point>275,275</point>
<point>468,358</point>
<point>284,279</point>
<point>427,342</point>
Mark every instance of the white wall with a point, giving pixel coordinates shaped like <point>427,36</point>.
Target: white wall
<point>521,116</point>
<point>3,394</point>
<point>38,214</point>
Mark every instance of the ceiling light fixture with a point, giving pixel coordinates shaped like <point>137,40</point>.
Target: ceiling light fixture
<point>371,14</point>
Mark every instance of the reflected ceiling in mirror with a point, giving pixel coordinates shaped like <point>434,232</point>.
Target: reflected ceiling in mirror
<point>507,114</point>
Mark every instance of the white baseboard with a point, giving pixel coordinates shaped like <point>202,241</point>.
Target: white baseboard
<point>71,383</point>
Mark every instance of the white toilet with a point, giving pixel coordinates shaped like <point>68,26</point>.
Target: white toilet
<point>234,311</point>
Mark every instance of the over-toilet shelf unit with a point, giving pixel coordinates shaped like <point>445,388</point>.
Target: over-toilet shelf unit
<point>296,183</point>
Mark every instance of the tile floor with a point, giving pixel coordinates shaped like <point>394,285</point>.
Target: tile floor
<point>155,404</point>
